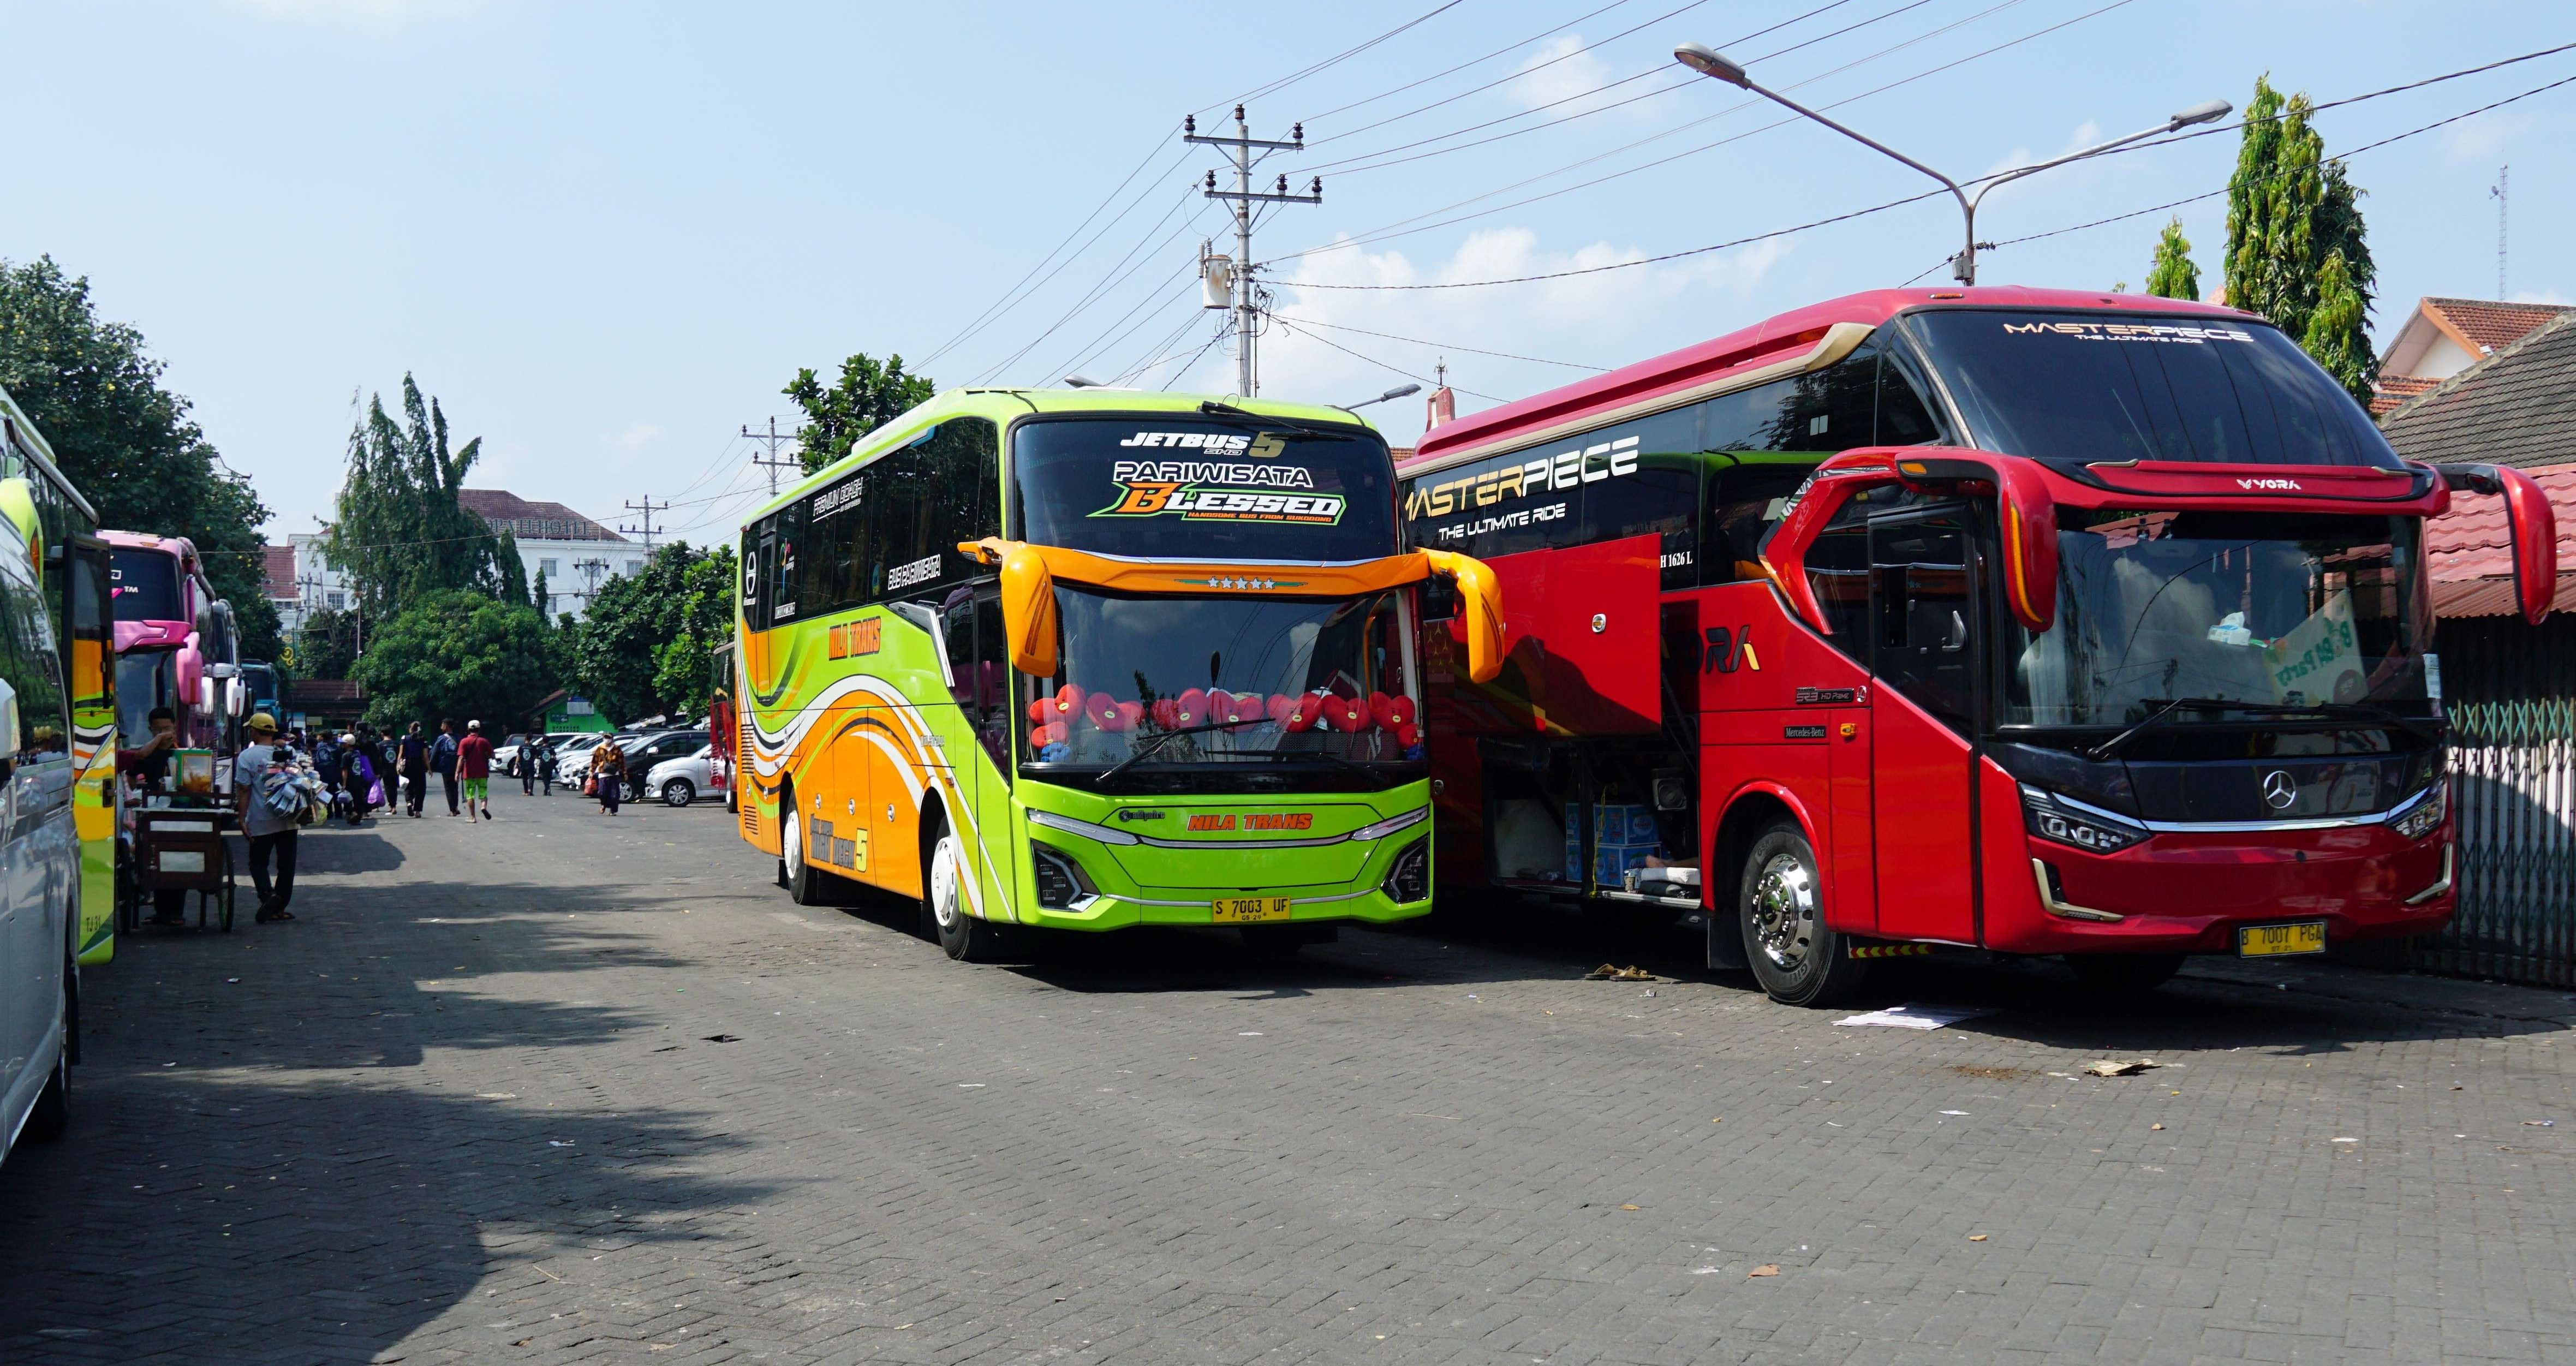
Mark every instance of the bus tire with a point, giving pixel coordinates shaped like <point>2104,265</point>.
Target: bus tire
<point>2124,974</point>
<point>966,938</point>
<point>1798,959</point>
<point>806,885</point>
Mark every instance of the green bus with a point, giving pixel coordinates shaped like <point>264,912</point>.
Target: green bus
<point>1092,659</point>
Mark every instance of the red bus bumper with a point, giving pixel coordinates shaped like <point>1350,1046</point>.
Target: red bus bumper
<point>2191,892</point>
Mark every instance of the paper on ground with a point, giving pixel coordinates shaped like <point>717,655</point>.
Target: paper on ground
<point>1912,1016</point>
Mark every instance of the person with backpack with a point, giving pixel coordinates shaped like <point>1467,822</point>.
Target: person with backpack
<point>608,776</point>
<point>442,757</point>
<point>414,760</point>
<point>258,795</point>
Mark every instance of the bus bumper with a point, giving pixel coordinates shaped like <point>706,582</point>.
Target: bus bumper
<point>1364,876</point>
<point>2190,893</point>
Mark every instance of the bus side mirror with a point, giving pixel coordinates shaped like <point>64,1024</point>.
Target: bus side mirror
<point>1028,611</point>
<point>192,675</point>
<point>2027,518</point>
<point>2531,524</point>
<point>1480,611</point>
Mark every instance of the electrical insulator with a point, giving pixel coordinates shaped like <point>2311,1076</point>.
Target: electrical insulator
<point>1296,132</point>
<point>1316,189</point>
<point>1238,113</point>
<point>1211,181</point>
<point>1283,185</point>
<point>1189,123</point>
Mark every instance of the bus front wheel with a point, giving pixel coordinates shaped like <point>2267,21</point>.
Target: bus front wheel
<point>964,937</point>
<point>1798,959</point>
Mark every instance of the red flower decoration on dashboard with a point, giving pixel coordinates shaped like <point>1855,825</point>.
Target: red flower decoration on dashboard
<point>1348,714</point>
<point>1052,733</point>
<point>1221,706</point>
<point>1164,710</point>
<point>1304,713</point>
<point>1392,712</point>
<point>1068,702</point>
<point>1102,710</point>
<point>1190,708</point>
<point>1407,734</point>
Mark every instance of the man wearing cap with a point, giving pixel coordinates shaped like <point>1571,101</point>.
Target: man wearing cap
<point>271,835</point>
<point>474,761</point>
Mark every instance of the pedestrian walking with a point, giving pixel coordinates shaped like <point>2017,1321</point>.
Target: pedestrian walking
<point>442,757</point>
<point>474,765</point>
<point>414,759</point>
<point>608,775</point>
<point>271,832</point>
<point>536,764</point>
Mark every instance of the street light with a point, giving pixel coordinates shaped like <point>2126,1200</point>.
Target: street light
<point>1398,391</point>
<point>1715,65</point>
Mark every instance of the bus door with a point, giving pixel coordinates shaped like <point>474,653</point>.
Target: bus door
<point>1924,622</point>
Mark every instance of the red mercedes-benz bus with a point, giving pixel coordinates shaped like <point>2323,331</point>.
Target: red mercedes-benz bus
<point>2030,621</point>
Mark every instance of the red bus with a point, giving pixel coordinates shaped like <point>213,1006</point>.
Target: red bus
<point>2036,622</point>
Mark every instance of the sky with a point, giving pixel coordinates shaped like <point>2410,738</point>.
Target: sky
<point>605,235</point>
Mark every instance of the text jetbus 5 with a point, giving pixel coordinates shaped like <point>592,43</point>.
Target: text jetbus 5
<point>2032,621</point>
<point>1083,660</point>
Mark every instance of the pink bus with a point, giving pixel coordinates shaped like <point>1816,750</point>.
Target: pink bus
<point>174,640</point>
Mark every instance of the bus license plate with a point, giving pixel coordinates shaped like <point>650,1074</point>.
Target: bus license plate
<point>2267,941</point>
<point>1250,910</point>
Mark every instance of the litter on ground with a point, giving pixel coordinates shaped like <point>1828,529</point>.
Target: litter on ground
<point>1915,1016</point>
<point>1609,973</point>
<point>2109,1067</point>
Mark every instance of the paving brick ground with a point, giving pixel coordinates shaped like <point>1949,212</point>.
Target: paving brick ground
<point>471,1109</point>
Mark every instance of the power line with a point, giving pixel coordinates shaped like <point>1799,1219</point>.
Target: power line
<point>1400,228</point>
<point>1335,60</point>
<point>1472,61</point>
<point>1397,369</point>
<point>1449,346</point>
<point>1119,271</point>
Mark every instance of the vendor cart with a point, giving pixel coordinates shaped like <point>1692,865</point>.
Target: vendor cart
<point>181,849</point>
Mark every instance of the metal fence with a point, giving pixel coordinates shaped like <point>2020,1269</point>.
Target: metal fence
<point>2513,773</point>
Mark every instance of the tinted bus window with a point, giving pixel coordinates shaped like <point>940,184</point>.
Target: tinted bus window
<point>33,671</point>
<point>787,566</point>
<point>922,500</point>
<point>1168,487</point>
<point>1655,493</point>
<point>2097,387</point>
<point>146,584</point>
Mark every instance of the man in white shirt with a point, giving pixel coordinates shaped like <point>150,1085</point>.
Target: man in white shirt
<point>271,835</point>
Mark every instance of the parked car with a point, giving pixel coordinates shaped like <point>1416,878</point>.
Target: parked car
<point>651,751</point>
<point>506,758</point>
<point>681,781</point>
<point>39,865</point>
<point>571,756</point>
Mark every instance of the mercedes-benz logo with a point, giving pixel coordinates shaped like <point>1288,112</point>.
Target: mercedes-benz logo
<point>2279,790</point>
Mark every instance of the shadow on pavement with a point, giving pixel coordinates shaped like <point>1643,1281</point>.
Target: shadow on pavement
<point>240,1156</point>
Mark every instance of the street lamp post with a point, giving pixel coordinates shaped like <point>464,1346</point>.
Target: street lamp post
<point>1715,65</point>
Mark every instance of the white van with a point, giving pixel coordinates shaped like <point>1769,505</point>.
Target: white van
<point>39,861</point>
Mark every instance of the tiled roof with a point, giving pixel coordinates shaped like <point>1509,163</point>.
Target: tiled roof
<point>2489,325</point>
<point>2470,552</point>
<point>527,520</point>
<point>277,572</point>
<point>2516,407</point>
<point>2389,390</point>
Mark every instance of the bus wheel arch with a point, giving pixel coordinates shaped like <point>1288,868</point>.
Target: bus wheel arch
<point>945,870</point>
<point>1775,907</point>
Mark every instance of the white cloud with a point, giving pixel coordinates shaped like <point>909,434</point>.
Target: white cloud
<point>2485,137</point>
<point>2542,296</point>
<point>629,444</point>
<point>1608,318</point>
<point>1556,72</point>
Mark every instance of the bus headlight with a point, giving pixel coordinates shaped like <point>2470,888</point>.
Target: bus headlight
<point>1409,880</point>
<point>1060,881</point>
<point>2425,815</point>
<point>2060,821</point>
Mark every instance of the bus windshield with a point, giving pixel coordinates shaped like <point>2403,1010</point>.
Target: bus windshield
<point>1197,488</point>
<point>1330,680</point>
<point>145,585</point>
<point>2265,608</point>
<point>2112,387</point>
<point>144,679</point>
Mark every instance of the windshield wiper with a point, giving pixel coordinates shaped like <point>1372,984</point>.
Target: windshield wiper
<point>1212,408</point>
<point>1160,738</point>
<point>2112,746</point>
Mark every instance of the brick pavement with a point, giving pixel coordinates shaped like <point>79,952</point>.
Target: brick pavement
<point>467,1110</point>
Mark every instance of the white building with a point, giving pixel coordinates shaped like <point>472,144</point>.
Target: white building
<point>576,555</point>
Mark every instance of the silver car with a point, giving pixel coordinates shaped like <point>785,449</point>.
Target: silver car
<point>681,781</point>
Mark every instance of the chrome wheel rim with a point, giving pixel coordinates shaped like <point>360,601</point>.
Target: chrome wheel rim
<point>1784,912</point>
<point>943,883</point>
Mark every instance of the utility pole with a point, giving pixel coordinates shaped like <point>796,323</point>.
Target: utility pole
<point>646,531</point>
<point>771,462</point>
<point>2504,181</point>
<point>1216,272</point>
<point>590,569</point>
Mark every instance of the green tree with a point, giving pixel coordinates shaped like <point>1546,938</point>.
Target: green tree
<point>681,671</point>
<point>867,397</point>
<point>125,441</point>
<point>538,594</point>
<point>618,649</point>
<point>2173,275</point>
<point>2291,210</point>
<point>399,532</point>
<point>510,573</point>
<point>327,645</point>
<point>457,652</point>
